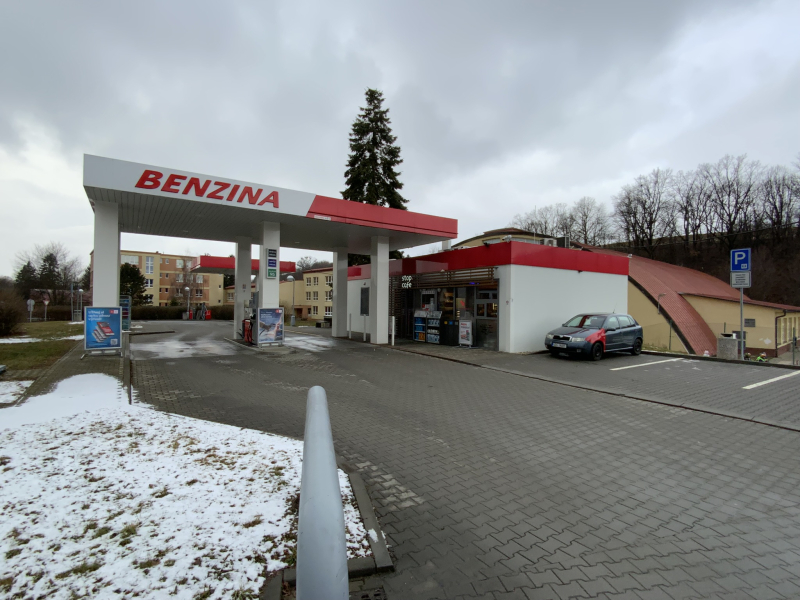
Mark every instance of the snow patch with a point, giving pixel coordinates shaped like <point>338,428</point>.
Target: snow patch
<point>126,501</point>
<point>10,391</point>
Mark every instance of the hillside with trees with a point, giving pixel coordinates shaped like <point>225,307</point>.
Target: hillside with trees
<point>694,218</point>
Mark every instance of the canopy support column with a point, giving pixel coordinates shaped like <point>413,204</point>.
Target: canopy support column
<point>339,325</point>
<point>379,291</point>
<point>241,296</point>
<point>106,254</point>
<point>268,265</point>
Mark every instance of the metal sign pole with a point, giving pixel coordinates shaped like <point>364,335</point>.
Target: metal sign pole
<point>741,321</point>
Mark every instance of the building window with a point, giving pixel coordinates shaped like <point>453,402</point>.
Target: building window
<point>315,310</point>
<point>329,295</point>
<point>220,286</point>
<point>316,296</point>
<point>308,296</point>
<point>166,275</point>
<point>230,296</point>
<point>198,293</point>
<point>188,264</point>
<point>179,277</point>
<point>148,265</point>
<point>167,260</point>
<point>161,261</point>
<point>199,278</point>
<point>148,283</point>
<point>129,259</point>
<point>329,279</point>
<point>328,311</point>
<point>178,263</point>
<point>308,281</point>
<point>316,280</point>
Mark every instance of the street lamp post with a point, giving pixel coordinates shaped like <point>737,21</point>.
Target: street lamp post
<point>188,302</point>
<point>80,302</point>
<point>291,320</point>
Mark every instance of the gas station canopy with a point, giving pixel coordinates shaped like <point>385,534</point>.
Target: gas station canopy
<point>161,201</point>
<point>226,265</point>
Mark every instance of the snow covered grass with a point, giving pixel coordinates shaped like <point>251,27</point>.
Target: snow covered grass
<point>11,390</point>
<point>126,501</point>
<point>29,340</point>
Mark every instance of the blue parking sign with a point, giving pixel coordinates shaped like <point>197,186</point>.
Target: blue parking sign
<point>740,259</point>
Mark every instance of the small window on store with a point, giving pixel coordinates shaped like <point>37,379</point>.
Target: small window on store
<point>491,310</point>
<point>481,310</point>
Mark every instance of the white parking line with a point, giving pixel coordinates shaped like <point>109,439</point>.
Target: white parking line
<point>655,362</point>
<point>760,383</point>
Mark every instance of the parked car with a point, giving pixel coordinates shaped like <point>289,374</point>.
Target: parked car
<point>594,334</point>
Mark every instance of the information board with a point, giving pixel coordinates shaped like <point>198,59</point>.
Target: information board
<point>125,307</point>
<point>270,326</point>
<point>102,329</point>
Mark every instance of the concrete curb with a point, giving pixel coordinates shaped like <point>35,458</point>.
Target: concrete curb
<point>132,333</point>
<point>721,360</point>
<point>720,412</point>
<point>379,562</point>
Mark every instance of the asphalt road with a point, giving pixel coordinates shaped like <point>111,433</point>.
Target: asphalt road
<point>492,484</point>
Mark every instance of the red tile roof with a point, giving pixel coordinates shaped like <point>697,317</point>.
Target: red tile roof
<point>668,282</point>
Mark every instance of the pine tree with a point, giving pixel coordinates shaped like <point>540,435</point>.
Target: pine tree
<point>132,283</point>
<point>26,279</point>
<point>371,177</point>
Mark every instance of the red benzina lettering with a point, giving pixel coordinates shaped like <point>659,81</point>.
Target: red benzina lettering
<point>215,190</point>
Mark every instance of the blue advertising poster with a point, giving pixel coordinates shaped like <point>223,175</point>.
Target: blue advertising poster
<point>270,326</point>
<point>102,329</point>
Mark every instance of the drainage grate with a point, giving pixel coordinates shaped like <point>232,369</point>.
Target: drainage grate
<point>377,594</point>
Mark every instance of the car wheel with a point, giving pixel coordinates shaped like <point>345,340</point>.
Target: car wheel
<point>637,347</point>
<point>597,351</point>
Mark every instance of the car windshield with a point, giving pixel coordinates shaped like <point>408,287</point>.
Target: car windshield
<point>587,321</point>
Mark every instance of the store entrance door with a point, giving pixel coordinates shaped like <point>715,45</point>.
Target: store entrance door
<point>486,319</point>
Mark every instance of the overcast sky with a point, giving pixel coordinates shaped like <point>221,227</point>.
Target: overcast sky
<point>498,106</point>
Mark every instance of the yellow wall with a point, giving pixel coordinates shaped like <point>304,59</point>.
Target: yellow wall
<point>723,315</point>
<point>657,332</point>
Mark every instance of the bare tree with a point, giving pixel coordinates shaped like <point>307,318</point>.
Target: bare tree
<point>68,268</point>
<point>780,203</point>
<point>734,187</point>
<point>644,210</point>
<point>183,279</point>
<point>590,222</point>
<point>691,197</point>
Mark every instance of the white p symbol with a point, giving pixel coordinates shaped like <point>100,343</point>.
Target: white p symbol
<point>738,257</point>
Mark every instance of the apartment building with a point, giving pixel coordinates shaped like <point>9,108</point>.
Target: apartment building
<point>168,275</point>
<point>313,294</point>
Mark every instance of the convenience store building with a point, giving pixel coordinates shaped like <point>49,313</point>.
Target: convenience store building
<point>512,293</point>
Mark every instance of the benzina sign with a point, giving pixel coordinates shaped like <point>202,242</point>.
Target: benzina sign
<point>216,190</point>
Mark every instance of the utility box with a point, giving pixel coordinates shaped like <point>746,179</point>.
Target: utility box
<point>728,347</point>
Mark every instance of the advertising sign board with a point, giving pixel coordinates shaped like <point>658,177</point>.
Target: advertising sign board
<point>465,333</point>
<point>125,307</point>
<point>270,326</point>
<point>364,302</point>
<point>102,329</point>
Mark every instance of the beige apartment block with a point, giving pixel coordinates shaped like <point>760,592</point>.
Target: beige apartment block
<point>168,275</point>
<point>313,294</point>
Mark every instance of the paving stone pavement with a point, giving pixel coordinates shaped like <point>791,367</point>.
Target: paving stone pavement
<point>492,485</point>
<point>708,385</point>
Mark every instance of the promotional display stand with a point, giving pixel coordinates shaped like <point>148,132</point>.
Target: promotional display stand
<point>270,326</point>
<point>102,330</point>
<point>433,324</point>
<point>420,317</point>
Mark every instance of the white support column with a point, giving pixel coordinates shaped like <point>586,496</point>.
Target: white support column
<point>379,291</point>
<point>269,287</point>
<point>241,284</point>
<point>339,326</point>
<point>106,254</point>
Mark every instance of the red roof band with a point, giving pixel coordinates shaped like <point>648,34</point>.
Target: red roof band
<point>228,263</point>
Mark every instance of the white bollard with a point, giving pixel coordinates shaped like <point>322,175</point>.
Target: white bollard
<point>321,542</point>
<point>365,329</point>
<point>392,330</point>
